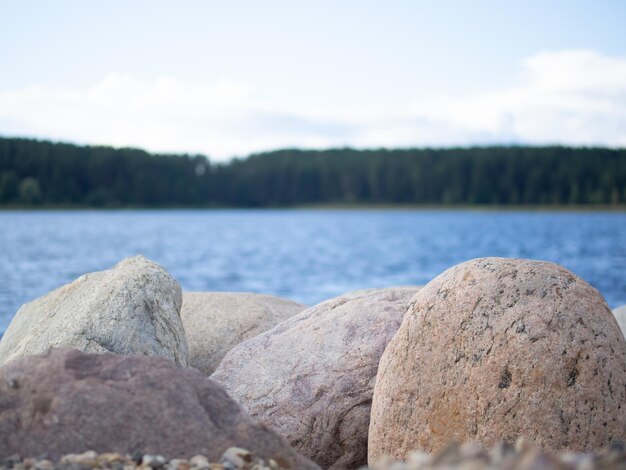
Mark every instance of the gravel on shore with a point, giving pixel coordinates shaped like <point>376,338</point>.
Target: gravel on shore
<point>233,459</point>
<point>503,456</point>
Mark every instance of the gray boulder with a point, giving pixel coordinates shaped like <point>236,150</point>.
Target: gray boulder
<point>311,378</point>
<point>131,309</point>
<point>215,322</point>
<point>69,402</point>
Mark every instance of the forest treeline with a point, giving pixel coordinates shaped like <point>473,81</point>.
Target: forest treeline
<point>40,173</point>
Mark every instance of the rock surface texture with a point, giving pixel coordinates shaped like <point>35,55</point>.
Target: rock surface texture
<point>215,322</point>
<point>72,402</point>
<point>131,309</point>
<point>620,316</point>
<point>494,349</point>
<point>311,378</point>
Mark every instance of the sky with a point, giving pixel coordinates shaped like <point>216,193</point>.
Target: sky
<point>232,78</point>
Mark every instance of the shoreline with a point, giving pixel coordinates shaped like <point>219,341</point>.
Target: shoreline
<point>584,208</point>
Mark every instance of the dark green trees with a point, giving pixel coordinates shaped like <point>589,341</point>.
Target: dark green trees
<point>35,172</point>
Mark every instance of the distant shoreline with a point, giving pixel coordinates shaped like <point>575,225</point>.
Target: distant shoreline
<point>333,207</point>
<point>64,176</point>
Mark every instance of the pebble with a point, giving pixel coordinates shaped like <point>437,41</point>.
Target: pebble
<point>199,462</point>
<point>236,457</point>
<point>44,465</point>
<point>179,464</point>
<point>153,461</point>
<point>87,459</point>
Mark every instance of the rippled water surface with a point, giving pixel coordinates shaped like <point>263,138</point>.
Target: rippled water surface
<point>304,255</point>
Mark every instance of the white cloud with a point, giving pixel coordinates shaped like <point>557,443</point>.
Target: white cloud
<point>569,97</point>
<point>161,115</point>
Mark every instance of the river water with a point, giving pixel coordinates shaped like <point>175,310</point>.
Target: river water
<point>305,255</point>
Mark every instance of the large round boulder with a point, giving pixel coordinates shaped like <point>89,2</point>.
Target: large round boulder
<point>495,349</point>
<point>311,377</point>
<point>215,322</point>
<point>71,402</point>
<point>132,309</point>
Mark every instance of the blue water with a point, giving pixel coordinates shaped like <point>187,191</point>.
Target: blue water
<point>307,255</point>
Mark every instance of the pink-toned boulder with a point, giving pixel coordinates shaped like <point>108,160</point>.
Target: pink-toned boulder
<point>311,377</point>
<point>494,349</point>
<point>70,402</point>
<point>215,322</point>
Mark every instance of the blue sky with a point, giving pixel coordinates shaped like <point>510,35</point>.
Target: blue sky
<point>232,78</point>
